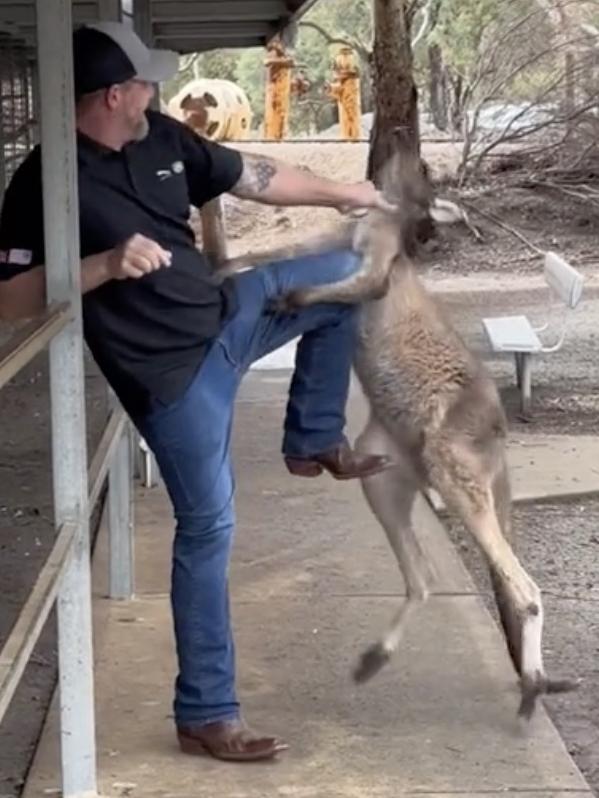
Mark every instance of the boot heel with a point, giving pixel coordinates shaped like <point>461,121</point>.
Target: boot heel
<point>189,745</point>
<point>303,468</point>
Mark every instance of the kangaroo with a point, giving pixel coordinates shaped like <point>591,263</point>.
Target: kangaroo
<point>436,411</point>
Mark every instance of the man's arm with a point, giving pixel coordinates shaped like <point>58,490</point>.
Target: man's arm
<point>272,182</point>
<point>24,295</point>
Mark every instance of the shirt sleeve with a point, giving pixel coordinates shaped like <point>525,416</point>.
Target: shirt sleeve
<point>212,169</point>
<point>21,222</point>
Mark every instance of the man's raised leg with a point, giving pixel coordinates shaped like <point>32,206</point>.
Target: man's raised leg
<point>315,420</point>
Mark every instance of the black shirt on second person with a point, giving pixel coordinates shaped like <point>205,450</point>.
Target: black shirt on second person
<point>148,335</point>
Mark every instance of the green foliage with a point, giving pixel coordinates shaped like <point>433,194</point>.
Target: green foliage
<point>497,50</point>
<point>215,64</point>
<point>250,74</point>
<point>460,30</point>
<point>351,21</point>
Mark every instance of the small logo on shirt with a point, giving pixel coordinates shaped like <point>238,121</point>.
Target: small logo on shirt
<point>21,257</point>
<point>176,169</point>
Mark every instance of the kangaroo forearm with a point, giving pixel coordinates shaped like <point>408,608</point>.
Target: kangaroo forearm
<point>363,285</point>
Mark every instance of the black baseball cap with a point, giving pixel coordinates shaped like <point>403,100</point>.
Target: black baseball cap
<point>106,53</point>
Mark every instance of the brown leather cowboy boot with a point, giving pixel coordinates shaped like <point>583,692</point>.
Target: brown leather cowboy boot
<point>230,740</point>
<point>341,462</point>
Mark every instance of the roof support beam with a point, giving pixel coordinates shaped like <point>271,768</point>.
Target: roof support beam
<point>193,45</point>
<point>216,23</point>
<point>208,30</point>
<point>218,11</point>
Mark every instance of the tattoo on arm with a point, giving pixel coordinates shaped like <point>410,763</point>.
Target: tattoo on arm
<point>256,177</point>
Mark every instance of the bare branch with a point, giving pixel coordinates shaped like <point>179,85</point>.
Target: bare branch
<point>508,228</point>
<point>499,40</point>
<point>188,61</point>
<point>426,17</point>
<point>515,71</point>
<point>348,41</point>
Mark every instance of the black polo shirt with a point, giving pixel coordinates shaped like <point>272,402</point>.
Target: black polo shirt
<point>148,335</point>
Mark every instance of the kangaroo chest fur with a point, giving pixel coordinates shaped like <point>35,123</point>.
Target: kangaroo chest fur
<point>411,363</point>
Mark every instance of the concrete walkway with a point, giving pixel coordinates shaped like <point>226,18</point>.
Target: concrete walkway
<point>313,584</point>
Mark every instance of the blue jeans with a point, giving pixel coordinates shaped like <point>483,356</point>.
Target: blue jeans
<point>191,441</point>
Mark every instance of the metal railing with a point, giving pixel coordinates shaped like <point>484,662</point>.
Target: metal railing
<point>112,461</point>
<point>65,578</point>
<point>17,117</point>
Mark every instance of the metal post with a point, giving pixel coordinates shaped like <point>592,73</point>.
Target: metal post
<point>142,20</point>
<point>120,522</point>
<point>35,97</point>
<point>120,516</point>
<point>518,359</point>
<point>142,23</point>
<point>61,222</point>
<point>109,10</point>
<point>3,180</point>
<point>27,100</point>
<point>278,90</point>
<point>526,386</point>
<point>345,89</point>
<point>121,579</point>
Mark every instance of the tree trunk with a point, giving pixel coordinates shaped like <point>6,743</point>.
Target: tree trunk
<point>395,95</point>
<point>457,105</point>
<point>437,88</point>
<point>563,26</point>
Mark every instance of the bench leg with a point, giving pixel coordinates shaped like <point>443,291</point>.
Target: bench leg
<point>518,359</point>
<point>525,381</point>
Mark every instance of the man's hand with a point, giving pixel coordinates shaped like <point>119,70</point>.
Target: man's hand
<point>362,196</point>
<point>135,257</point>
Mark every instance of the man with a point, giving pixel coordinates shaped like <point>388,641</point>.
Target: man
<point>174,345</point>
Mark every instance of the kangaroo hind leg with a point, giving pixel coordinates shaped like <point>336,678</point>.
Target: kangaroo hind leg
<point>390,495</point>
<point>467,489</point>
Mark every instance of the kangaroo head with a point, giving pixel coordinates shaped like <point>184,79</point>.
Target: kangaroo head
<point>406,184</point>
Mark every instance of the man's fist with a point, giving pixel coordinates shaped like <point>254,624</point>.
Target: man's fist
<point>135,257</point>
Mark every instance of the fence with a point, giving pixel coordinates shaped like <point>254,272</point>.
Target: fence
<point>65,576</point>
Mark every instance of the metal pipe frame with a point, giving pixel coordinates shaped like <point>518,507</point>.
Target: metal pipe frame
<point>66,575</point>
<point>21,348</point>
<point>26,631</point>
<point>69,454</point>
<point>116,427</point>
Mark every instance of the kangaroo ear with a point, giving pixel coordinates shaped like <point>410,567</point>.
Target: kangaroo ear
<point>446,212</point>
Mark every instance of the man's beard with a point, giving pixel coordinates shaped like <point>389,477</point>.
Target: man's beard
<point>141,129</point>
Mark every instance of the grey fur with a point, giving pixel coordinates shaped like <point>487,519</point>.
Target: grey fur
<point>437,411</point>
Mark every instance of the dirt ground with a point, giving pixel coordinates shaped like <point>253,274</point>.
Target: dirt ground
<point>558,542</point>
<point>559,545</point>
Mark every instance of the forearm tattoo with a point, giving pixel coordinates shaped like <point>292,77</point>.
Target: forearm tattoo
<point>257,175</point>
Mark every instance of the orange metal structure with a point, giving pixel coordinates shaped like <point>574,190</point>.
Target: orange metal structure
<point>345,89</point>
<point>279,65</point>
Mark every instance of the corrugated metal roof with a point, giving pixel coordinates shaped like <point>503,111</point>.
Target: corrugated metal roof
<point>184,25</point>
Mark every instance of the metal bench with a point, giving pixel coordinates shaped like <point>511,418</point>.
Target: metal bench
<point>518,336</point>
